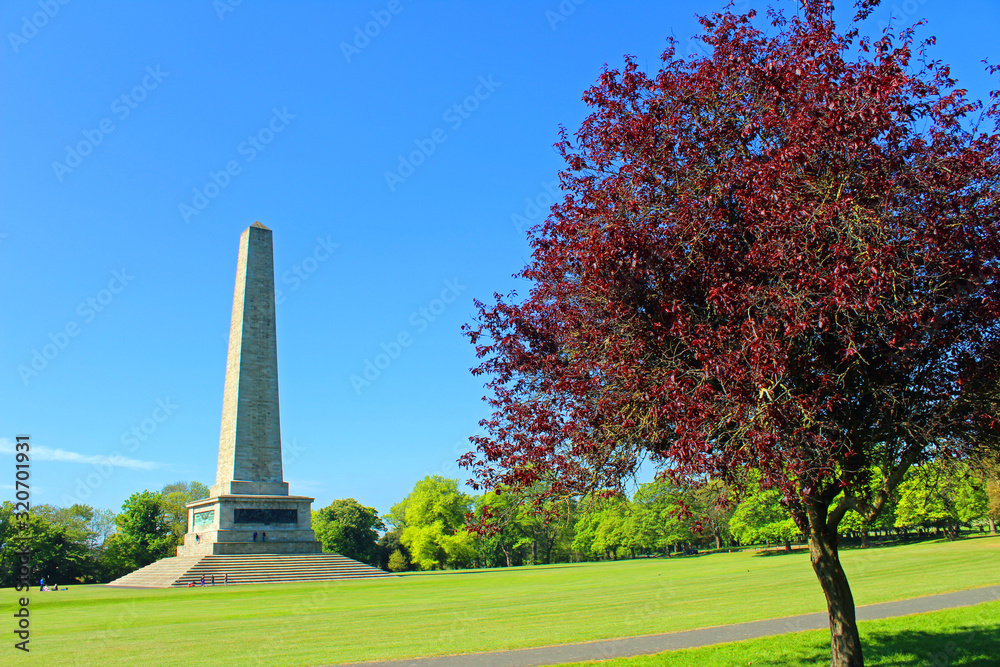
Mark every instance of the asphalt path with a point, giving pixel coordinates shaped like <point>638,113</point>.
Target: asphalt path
<point>672,641</point>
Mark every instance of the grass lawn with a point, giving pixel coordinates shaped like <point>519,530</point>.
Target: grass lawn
<point>963,636</point>
<point>469,611</point>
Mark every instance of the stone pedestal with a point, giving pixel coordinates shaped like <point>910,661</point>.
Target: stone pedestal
<point>226,525</point>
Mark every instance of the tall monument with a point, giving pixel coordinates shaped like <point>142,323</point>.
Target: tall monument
<point>249,530</point>
<point>249,499</point>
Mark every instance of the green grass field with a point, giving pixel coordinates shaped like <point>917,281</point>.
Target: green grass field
<point>470,611</point>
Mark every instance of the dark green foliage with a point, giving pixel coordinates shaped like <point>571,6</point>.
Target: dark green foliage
<point>145,533</point>
<point>349,528</point>
<point>523,534</point>
<point>61,542</point>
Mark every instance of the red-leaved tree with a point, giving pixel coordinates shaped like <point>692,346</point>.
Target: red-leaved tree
<point>782,256</point>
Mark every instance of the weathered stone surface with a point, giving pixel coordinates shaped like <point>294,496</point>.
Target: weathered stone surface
<point>250,438</point>
<point>249,474</point>
<point>222,535</point>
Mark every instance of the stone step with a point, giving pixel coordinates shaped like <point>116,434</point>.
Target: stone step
<point>248,569</point>
<point>160,574</point>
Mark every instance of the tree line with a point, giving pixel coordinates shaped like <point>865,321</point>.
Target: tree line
<point>83,544</point>
<point>438,526</point>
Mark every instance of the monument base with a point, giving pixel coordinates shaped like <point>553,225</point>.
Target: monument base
<point>250,524</point>
<point>239,569</point>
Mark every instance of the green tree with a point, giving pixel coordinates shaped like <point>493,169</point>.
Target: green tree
<point>175,498</point>
<point>606,525</point>
<point>854,523</point>
<point>760,517</point>
<point>58,540</point>
<point>509,532</point>
<point>349,528</point>
<point>661,522</point>
<point>943,493</point>
<point>986,466</point>
<point>522,533</point>
<point>398,562</point>
<point>993,495</point>
<point>102,524</point>
<point>145,533</point>
<point>711,512</point>
<point>388,544</point>
<point>433,519</point>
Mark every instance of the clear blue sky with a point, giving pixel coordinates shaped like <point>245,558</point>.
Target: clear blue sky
<point>153,99</point>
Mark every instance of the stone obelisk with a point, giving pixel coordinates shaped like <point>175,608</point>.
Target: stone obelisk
<point>250,441</point>
<point>250,497</point>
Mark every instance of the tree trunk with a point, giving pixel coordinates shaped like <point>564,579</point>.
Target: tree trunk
<point>845,644</point>
<point>718,541</point>
<point>864,539</point>
<point>993,526</point>
<point>788,545</point>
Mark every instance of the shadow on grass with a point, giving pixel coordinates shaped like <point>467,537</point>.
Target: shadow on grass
<point>489,570</point>
<point>798,551</point>
<point>968,646</point>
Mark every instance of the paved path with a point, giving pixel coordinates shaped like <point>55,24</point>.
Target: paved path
<point>647,644</point>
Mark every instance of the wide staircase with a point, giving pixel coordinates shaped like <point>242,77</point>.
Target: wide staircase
<point>161,574</point>
<point>248,569</point>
